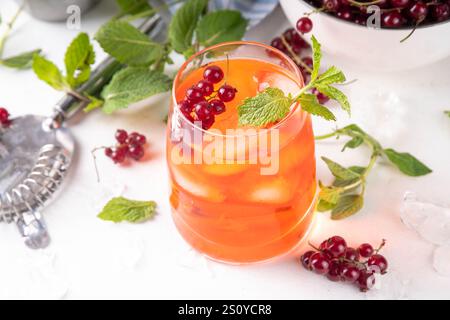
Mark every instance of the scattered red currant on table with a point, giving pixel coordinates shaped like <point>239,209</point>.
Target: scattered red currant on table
<point>4,117</point>
<point>202,102</point>
<point>128,146</point>
<point>339,262</point>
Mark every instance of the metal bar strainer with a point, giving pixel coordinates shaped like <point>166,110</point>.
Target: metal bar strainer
<point>36,153</point>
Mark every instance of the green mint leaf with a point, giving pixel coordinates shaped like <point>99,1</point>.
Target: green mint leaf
<point>269,106</point>
<point>131,85</point>
<point>183,24</point>
<point>347,206</point>
<point>121,209</point>
<point>133,6</point>
<point>339,171</point>
<point>317,57</point>
<point>48,72</point>
<point>94,104</point>
<point>353,143</point>
<point>79,57</point>
<point>221,26</point>
<point>324,206</point>
<point>330,194</point>
<point>21,61</point>
<point>341,183</point>
<point>407,163</point>
<point>358,169</point>
<point>331,76</point>
<point>447,113</point>
<point>128,44</point>
<point>311,105</point>
<point>335,94</point>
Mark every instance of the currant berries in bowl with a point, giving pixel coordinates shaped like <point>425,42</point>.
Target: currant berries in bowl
<point>342,28</point>
<point>206,100</point>
<point>340,262</point>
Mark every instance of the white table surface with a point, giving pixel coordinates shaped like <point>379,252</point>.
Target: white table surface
<point>90,258</point>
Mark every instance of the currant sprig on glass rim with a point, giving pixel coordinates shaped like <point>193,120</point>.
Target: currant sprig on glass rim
<point>339,262</point>
<point>202,102</point>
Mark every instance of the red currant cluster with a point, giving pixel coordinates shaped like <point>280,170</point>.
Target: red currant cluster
<point>294,45</point>
<point>202,102</point>
<point>342,263</point>
<point>4,117</point>
<point>128,146</point>
<point>394,13</point>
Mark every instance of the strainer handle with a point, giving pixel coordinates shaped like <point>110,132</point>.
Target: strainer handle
<point>70,104</point>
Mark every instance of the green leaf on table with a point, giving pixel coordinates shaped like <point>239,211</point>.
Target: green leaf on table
<point>347,206</point>
<point>131,85</point>
<point>184,23</point>
<point>269,106</point>
<point>79,57</point>
<point>353,143</point>
<point>317,57</point>
<point>339,171</point>
<point>221,26</point>
<point>330,194</point>
<point>335,94</point>
<point>121,209</point>
<point>447,113</point>
<point>20,61</point>
<point>310,104</point>
<point>358,169</point>
<point>128,44</point>
<point>48,72</point>
<point>324,206</point>
<point>133,6</point>
<point>407,163</point>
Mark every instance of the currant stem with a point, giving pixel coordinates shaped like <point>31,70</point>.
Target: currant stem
<point>383,243</point>
<point>9,27</point>
<point>294,55</point>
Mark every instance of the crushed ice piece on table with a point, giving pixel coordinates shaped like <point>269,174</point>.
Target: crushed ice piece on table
<point>391,286</point>
<point>431,221</point>
<point>106,190</point>
<point>441,260</point>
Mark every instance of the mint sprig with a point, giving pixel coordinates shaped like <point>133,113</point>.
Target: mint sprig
<point>121,209</point>
<point>345,196</point>
<point>266,108</point>
<point>447,113</point>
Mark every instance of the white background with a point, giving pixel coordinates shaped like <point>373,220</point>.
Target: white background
<point>90,258</point>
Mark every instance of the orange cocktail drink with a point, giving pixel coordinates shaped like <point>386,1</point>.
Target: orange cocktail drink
<point>241,194</point>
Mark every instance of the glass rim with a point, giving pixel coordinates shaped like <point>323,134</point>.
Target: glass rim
<point>297,73</point>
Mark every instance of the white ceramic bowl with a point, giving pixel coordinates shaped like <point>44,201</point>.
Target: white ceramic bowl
<point>371,49</point>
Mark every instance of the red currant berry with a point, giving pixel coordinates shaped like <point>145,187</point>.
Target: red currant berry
<point>392,19</point>
<point>277,43</point>
<point>206,87</point>
<point>336,246</point>
<point>119,154</point>
<point>320,96</point>
<point>305,259</point>
<point>108,152</point>
<point>366,281</point>
<point>350,273</point>
<point>208,122</point>
<point>319,263</point>
<point>194,94</point>
<point>4,116</point>
<point>308,61</point>
<point>440,12</point>
<point>330,5</point>
<point>136,152</point>
<point>418,11</point>
<point>121,136</point>
<point>185,107</point>
<point>227,93</point>
<point>217,106</point>
<point>365,250</point>
<point>213,74</point>
<point>203,110</point>
<point>136,139</point>
<point>304,25</point>
<point>399,3</point>
<point>378,263</point>
<point>344,14</point>
<point>334,272</point>
<point>351,254</point>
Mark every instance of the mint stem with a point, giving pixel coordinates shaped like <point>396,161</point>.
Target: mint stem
<point>9,27</point>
